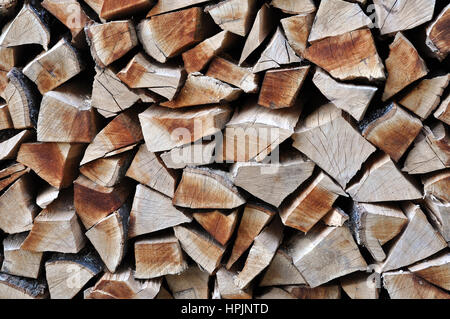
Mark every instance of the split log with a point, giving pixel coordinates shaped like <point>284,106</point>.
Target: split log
<point>382,181</point>
<point>258,33</point>
<point>158,256</point>
<point>406,285</point>
<point>56,163</point>
<point>434,270</point>
<point>404,66</point>
<point>20,262</point>
<point>163,6</point>
<point>353,99</point>
<point>275,293</point>
<point>114,9</point>
<point>94,202</point>
<point>328,138</point>
<point>227,287</point>
<point>18,198</point>
<point>153,211</point>
<point>13,287</point>
<point>110,41</point>
<point>438,137</point>
<point>254,219</point>
<point>190,284</point>
<point>360,285</point>
<point>10,147</point>
<point>375,224</point>
<point>443,112</point>
<point>66,115</point>
<point>294,6</point>
<point>140,72</point>
<point>278,52</point>
<point>8,59</point>
<point>67,274</point>
<point>229,72</point>
<point>219,225</point>
<point>323,292</point>
<point>233,15</point>
<point>56,228</point>
<point>195,154</point>
<point>349,56</point>
<point>281,272</point>
<point>175,128</point>
<point>123,131</point>
<point>437,37</point>
<point>200,89</point>
<point>46,196</point>
<point>109,237</point>
<point>437,185</point>
<point>54,67</point>
<point>336,17</point>
<point>305,207</point>
<point>297,28</point>
<point>336,217</point>
<point>393,15</point>
<point>273,182</point>
<point>281,87</point>
<point>95,5</point>
<point>325,253</point>
<point>29,19</point>
<point>11,169</point>
<point>206,188</point>
<point>162,43</point>
<point>206,252</point>
<point>425,97</point>
<point>7,181</point>
<point>5,118</point>
<point>418,241</point>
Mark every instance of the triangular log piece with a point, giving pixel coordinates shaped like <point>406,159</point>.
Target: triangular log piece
<point>10,147</point>
<point>278,52</point>
<point>305,207</point>
<point>29,19</point>
<point>328,138</point>
<point>5,118</point>
<point>56,228</point>
<point>399,15</point>
<point>163,6</point>
<point>382,181</point>
<point>110,41</point>
<point>437,185</point>
<point>5,182</point>
<point>406,285</point>
<point>325,253</point>
<point>109,237</point>
<point>418,241</point>
<point>281,272</point>
<point>165,129</point>
<point>294,6</point>
<point>375,224</point>
<point>14,287</point>
<point>67,274</point>
<point>349,56</point>
<point>438,137</point>
<point>94,202</point>
<point>229,72</point>
<point>437,35</point>
<point>206,188</point>
<point>329,291</point>
<point>153,211</point>
<point>360,285</point>
<point>18,198</point>
<point>8,59</point>
<point>273,182</point>
<point>443,112</point>
<point>404,66</point>
<point>202,248</point>
<point>439,214</point>
<point>20,262</point>
<point>56,163</point>
<point>11,169</point>
<point>254,219</point>
<point>336,217</point>
<point>95,5</point>
<point>353,99</point>
<point>46,196</point>
<point>162,43</point>
<point>274,293</point>
<point>190,284</point>
<point>158,256</point>
<point>114,9</point>
<point>200,90</point>
<point>435,270</point>
<point>195,154</point>
<point>219,225</point>
<point>233,15</point>
<point>141,72</point>
<point>297,28</point>
<point>227,287</point>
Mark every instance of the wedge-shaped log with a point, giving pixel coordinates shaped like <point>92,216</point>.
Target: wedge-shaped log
<point>67,274</point>
<point>190,284</point>
<point>254,219</point>
<point>95,5</point>
<point>113,9</point>
<point>20,262</point>
<point>5,118</point>
<point>206,188</point>
<point>382,181</point>
<point>110,41</point>
<point>153,211</point>
<point>195,154</point>
<point>274,293</point>
<point>281,271</point>
<point>375,224</point>
<point>14,287</point>
<point>439,214</point>
<point>360,285</point>
<point>438,137</point>
<point>329,291</point>
<point>219,225</point>
<point>8,59</point>
<point>348,56</point>
<point>227,287</point>
<point>437,37</point>
<point>10,147</point>
<point>297,28</point>
<point>164,6</point>
<point>353,99</point>
<point>294,6</point>
<point>162,43</point>
<point>7,181</point>
<point>158,256</point>
<point>437,185</point>
<point>305,207</point>
<point>325,253</point>
<point>404,66</point>
<point>443,112</point>
<point>336,217</point>
<point>435,270</point>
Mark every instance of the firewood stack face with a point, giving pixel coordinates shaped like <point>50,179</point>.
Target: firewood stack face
<point>295,149</point>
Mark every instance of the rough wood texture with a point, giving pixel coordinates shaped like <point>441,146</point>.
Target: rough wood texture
<point>328,291</point>
<point>163,6</point>
<point>360,286</point>
<point>294,6</point>
<point>10,147</point>
<point>195,154</point>
<point>219,225</point>
<point>297,28</point>
<point>227,287</point>
<point>335,217</point>
<point>190,284</point>
<point>443,112</point>
<point>434,270</point>
<point>282,272</point>
<point>114,9</point>
<point>8,59</point>
<point>437,35</point>
<point>437,185</point>
<point>14,287</point>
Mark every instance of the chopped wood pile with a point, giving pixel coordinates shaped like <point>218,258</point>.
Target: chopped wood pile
<point>291,149</point>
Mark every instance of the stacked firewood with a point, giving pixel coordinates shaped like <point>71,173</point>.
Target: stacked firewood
<point>224,149</point>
